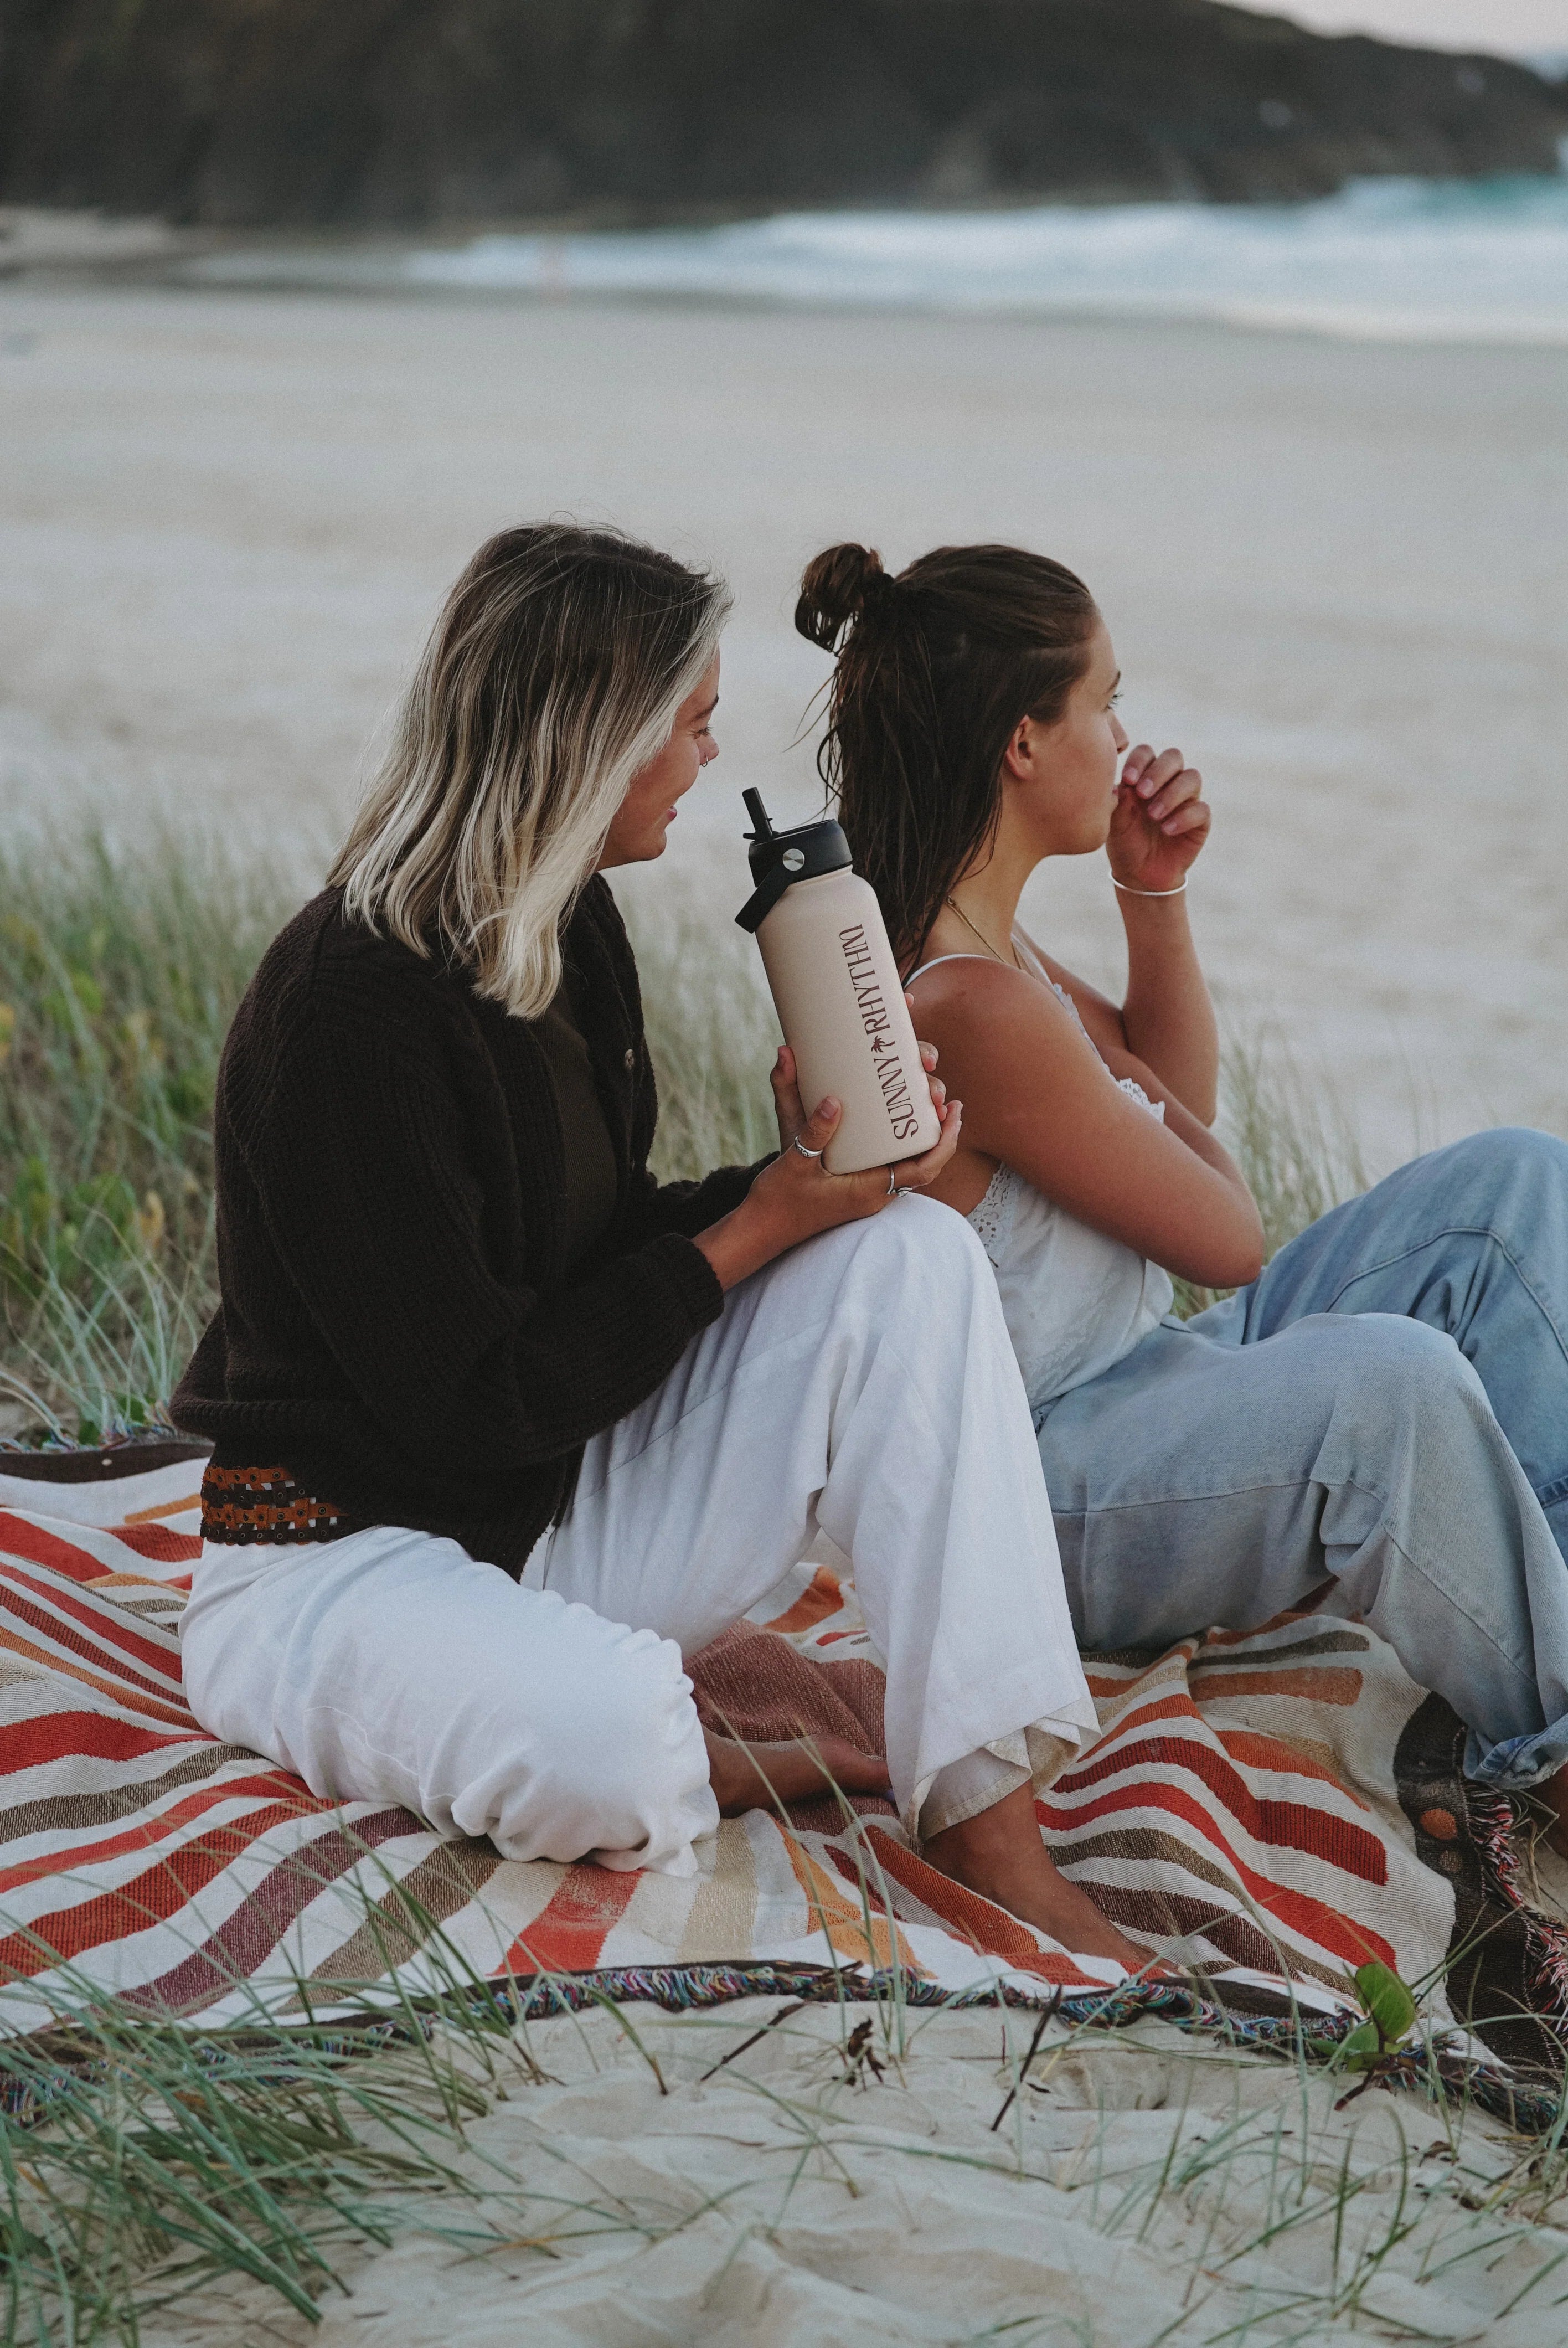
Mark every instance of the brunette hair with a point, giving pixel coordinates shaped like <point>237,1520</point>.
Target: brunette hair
<point>551,678</point>
<point>935,669</point>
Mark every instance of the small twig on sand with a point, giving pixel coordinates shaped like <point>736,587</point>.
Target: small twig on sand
<point>1049,2014</point>
<point>781,2016</point>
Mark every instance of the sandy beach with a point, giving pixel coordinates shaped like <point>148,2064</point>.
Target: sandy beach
<point>1142,2188</point>
<point>1332,568</point>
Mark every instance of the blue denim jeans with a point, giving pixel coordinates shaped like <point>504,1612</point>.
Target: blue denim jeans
<point>1386,1404</point>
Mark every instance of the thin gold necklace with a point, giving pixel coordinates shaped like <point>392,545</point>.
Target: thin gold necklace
<point>983,939</point>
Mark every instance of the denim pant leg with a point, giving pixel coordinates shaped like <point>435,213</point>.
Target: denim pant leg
<point>1202,1482</point>
<point>1472,1240</point>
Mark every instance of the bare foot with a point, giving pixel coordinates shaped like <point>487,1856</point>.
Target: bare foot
<point>759,1777</point>
<point>1000,1855</point>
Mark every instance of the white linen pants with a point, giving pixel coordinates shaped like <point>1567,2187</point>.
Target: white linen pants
<point>864,1386</point>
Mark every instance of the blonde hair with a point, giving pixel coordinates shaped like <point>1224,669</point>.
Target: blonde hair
<point>552,677</point>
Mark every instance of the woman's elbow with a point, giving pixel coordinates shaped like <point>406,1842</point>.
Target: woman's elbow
<point>1228,1258</point>
<point>1244,1254</point>
<point>1243,1268</point>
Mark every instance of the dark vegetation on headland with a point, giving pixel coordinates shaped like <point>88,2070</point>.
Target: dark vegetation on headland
<point>402,113</point>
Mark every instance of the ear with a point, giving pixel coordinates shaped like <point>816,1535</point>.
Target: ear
<point>1021,759</point>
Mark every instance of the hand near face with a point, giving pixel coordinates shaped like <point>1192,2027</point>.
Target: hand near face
<point>1161,819</point>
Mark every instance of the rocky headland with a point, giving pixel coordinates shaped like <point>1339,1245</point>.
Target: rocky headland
<point>348,114</point>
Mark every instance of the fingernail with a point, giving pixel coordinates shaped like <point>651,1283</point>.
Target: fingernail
<point>827,1106</point>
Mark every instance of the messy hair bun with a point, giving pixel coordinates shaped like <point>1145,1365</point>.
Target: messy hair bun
<point>966,642</point>
<point>838,586</point>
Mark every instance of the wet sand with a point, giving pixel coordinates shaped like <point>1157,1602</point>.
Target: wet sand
<point>1333,570</point>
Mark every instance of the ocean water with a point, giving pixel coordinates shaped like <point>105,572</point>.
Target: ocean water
<point>1399,259</point>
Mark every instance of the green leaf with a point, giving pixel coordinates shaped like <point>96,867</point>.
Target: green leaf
<point>1361,2049</point>
<point>1390,2006</point>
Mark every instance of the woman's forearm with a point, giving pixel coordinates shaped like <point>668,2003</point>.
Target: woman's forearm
<point>1167,1015</point>
<point>741,1242</point>
<point>1246,1226</point>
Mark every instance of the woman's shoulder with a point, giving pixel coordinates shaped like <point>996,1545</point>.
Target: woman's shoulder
<point>597,930</point>
<point>990,1023</point>
<point>973,986</point>
<point>327,981</point>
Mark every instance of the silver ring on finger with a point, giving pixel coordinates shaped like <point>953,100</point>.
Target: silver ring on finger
<point>798,1144</point>
<point>893,1189</point>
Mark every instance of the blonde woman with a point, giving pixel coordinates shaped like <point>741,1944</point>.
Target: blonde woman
<point>504,1429</point>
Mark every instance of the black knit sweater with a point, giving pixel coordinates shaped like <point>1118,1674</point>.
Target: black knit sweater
<point>396,1328</point>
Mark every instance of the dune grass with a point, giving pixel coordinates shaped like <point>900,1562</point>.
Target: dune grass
<point>170,2167</point>
<point>118,976</point>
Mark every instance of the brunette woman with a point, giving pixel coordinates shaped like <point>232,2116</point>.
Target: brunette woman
<point>503,1429</point>
<point>1387,1404</point>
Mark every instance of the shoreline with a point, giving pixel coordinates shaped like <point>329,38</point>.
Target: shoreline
<point>750,260</point>
<point>1330,569</point>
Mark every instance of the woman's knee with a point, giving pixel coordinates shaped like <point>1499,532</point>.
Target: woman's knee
<point>917,1244</point>
<point>1394,1364</point>
<point>633,1724</point>
<point>608,1752</point>
<point>1506,1170</point>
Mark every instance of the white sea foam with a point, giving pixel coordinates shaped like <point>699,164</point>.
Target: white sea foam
<point>1400,260</point>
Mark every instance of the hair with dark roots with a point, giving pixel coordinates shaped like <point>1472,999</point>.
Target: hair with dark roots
<point>551,678</point>
<point>935,670</point>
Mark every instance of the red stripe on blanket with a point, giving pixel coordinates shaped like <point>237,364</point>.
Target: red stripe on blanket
<point>151,1899</point>
<point>1142,1716</point>
<point>1330,1684</point>
<point>88,1736</point>
<point>114,1639</point>
<point>1251,1745</point>
<point>1105,1685</point>
<point>816,1604</point>
<point>24,1539</point>
<point>1261,1752</point>
<point>153,1829</point>
<point>247,1938</point>
<point>1325,1926</point>
<point>1287,1826</point>
<point>157,1541</point>
<point>119,1690</point>
<point>574,1924</point>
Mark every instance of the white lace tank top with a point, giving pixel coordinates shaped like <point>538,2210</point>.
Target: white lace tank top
<point>1074,1301</point>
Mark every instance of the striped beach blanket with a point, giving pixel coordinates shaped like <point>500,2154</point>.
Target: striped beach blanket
<point>1280,1804</point>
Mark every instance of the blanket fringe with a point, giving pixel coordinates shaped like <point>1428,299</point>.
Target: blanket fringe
<point>1442,2076</point>
<point>1494,1821</point>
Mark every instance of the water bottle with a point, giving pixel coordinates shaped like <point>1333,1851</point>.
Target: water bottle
<point>838,992</point>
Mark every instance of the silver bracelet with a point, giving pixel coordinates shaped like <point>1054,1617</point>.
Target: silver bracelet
<point>1147,892</point>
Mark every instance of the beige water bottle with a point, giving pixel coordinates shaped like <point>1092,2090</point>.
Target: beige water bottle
<point>837,989</point>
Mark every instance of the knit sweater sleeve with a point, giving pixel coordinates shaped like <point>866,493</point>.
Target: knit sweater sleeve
<point>367,1158</point>
<point>687,1207</point>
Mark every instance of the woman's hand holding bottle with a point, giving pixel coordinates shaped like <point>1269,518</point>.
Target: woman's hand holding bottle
<point>794,1197</point>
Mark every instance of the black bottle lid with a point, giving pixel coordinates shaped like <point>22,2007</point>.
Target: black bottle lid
<point>778,858</point>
